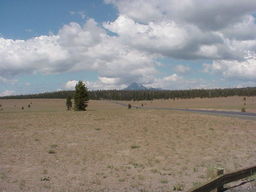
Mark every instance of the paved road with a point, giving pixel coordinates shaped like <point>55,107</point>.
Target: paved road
<point>244,115</point>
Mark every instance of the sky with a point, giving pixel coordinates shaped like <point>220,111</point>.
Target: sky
<point>49,45</point>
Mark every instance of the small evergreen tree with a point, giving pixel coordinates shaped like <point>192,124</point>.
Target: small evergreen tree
<point>81,97</point>
<point>69,103</point>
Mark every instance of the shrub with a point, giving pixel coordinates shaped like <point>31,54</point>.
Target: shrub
<point>178,187</point>
<point>243,109</point>
<point>51,151</point>
<point>135,146</point>
<point>129,106</point>
<point>69,103</point>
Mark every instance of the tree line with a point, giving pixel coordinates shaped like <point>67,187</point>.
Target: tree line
<point>145,94</point>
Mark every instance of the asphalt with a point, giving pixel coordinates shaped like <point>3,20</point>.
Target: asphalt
<point>244,115</point>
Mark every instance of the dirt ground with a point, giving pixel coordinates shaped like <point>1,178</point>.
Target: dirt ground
<point>112,148</point>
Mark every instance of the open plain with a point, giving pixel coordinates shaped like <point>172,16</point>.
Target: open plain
<point>44,147</point>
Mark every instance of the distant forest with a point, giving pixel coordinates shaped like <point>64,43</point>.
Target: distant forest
<point>145,94</point>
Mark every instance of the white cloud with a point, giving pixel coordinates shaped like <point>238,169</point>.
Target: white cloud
<point>29,30</point>
<point>7,93</point>
<point>39,54</point>
<point>243,30</point>
<point>102,83</point>
<point>177,82</point>
<point>165,82</point>
<point>165,37</point>
<point>222,31</point>
<point>173,77</point>
<point>27,84</point>
<point>109,80</point>
<point>99,85</point>
<point>79,13</point>
<point>171,39</point>
<point>70,84</point>
<point>210,14</point>
<point>182,68</point>
<point>5,80</point>
<point>76,48</point>
<point>244,70</point>
<point>208,50</point>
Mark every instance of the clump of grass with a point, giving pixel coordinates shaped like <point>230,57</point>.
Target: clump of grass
<point>22,184</point>
<point>178,187</point>
<point>157,161</point>
<point>137,165</point>
<point>97,129</point>
<point>164,181</point>
<point>96,182</point>
<point>211,173</point>
<point>135,146</point>
<point>51,151</point>
<point>197,184</point>
<point>45,179</point>
<point>121,180</point>
<point>155,171</point>
<point>3,176</point>
<point>54,146</point>
<point>141,177</point>
<point>110,166</point>
<point>195,169</point>
<point>252,177</point>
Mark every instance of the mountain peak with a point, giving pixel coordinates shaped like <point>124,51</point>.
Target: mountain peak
<point>135,86</point>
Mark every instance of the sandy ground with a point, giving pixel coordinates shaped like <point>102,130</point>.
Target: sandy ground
<point>112,148</point>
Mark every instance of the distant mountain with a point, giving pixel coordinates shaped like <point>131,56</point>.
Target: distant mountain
<point>136,86</point>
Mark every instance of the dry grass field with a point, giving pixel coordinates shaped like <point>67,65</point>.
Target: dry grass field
<point>234,103</point>
<point>112,148</point>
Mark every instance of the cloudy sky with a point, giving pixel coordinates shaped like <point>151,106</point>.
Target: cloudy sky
<point>48,45</point>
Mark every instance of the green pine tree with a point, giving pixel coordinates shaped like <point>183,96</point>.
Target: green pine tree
<point>81,97</point>
<point>69,103</point>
